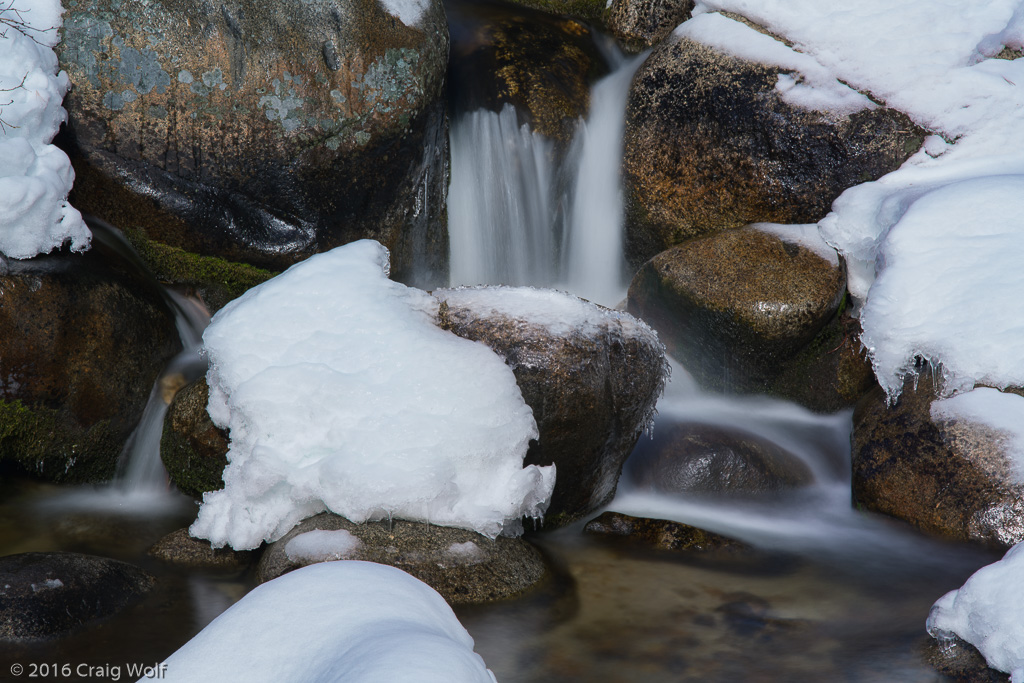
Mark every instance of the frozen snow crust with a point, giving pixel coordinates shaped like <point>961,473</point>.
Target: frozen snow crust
<point>340,393</point>
<point>930,248</point>
<point>356,622</point>
<point>35,176</point>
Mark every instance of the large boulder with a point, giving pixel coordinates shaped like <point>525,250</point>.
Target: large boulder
<point>263,132</point>
<point>82,340</point>
<point>756,309</point>
<point>951,476</point>
<point>590,374</point>
<point>45,595</point>
<point>711,144</point>
<point>463,566</point>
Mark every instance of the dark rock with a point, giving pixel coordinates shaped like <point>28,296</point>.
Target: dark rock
<point>749,310</point>
<point>640,24</point>
<point>478,570</point>
<point>960,662</point>
<point>660,534</point>
<point>541,65</point>
<point>82,340</point>
<point>180,549</point>
<point>592,385</point>
<point>193,449</point>
<point>262,132</point>
<point>591,11</point>
<point>47,594</point>
<point>947,477</point>
<point>711,145</point>
<point>703,459</point>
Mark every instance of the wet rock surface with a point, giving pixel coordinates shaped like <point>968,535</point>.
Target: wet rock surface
<point>48,594</point>
<point>592,386</point>
<point>710,145</point>
<point>463,566</point>
<point>192,448</point>
<point>660,534</point>
<point>705,459</point>
<point>541,65</point>
<point>640,24</point>
<point>262,133</point>
<point>179,549</point>
<point>960,662</point>
<point>949,477</point>
<point>82,339</point>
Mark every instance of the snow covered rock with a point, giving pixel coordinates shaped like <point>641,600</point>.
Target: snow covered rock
<point>355,622</point>
<point>720,133</point>
<point>263,132</point>
<point>952,467</point>
<point>340,393</point>
<point>463,566</point>
<point>590,374</point>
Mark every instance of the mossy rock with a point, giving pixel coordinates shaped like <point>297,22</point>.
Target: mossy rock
<point>193,449</point>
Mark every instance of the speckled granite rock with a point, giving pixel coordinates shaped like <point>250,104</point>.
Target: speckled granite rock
<point>180,549</point>
<point>463,566</point>
<point>711,145</point>
<point>48,594</point>
<point>946,477</point>
<point>262,132</point>
<point>640,24</point>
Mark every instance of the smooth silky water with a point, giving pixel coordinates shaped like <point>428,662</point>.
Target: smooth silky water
<point>827,593</point>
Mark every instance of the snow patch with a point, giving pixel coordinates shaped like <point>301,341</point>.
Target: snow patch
<point>409,12</point>
<point>48,584</point>
<point>806,236</point>
<point>321,545</point>
<point>465,553</point>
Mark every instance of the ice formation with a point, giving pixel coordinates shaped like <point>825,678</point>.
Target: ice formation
<point>348,621</point>
<point>35,177</point>
<point>341,394</point>
<point>986,612</point>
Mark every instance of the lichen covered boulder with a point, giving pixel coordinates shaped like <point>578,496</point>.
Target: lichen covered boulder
<point>591,376</point>
<point>262,132</point>
<point>463,566</point>
<point>714,141</point>
<point>947,471</point>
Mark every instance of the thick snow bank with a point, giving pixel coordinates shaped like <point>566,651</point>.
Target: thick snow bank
<point>348,621</point>
<point>940,231</point>
<point>986,612</point>
<point>35,176</point>
<point>341,394</point>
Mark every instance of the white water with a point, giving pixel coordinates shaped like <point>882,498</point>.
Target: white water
<point>508,221</point>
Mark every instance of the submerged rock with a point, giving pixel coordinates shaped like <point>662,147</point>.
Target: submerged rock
<point>82,340</point>
<point>711,144</point>
<point>192,448</point>
<point>947,476</point>
<point>705,459</point>
<point>661,534</point>
<point>591,376</point>
<point>463,566</point>
<point>262,133</point>
<point>48,594</point>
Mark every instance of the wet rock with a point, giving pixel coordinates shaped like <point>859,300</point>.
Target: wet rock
<point>711,145</point>
<point>180,549</point>
<point>541,65</point>
<point>748,310</point>
<point>193,449</point>
<point>591,376</point>
<point>960,662</point>
<point>463,566</point>
<point>640,24</point>
<point>262,132</point>
<point>660,534</point>
<point>83,337</point>
<point>47,594</point>
<point>704,459</point>
<point>950,477</point>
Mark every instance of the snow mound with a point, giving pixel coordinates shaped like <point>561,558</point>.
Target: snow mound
<point>36,176</point>
<point>986,612</point>
<point>355,622</point>
<point>341,394</point>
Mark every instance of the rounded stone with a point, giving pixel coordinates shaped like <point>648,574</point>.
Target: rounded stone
<point>179,549</point>
<point>640,24</point>
<point>192,448</point>
<point>463,566</point>
<point>661,534</point>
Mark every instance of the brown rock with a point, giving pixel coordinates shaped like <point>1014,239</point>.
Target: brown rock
<point>710,145</point>
<point>193,449</point>
<point>640,24</point>
<point>660,534</point>
<point>592,386</point>
<point>947,477</point>
<point>178,548</point>
<point>463,566</point>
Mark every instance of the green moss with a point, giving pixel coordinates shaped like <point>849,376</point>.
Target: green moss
<point>47,444</point>
<point>190,472</point>
<point>218,280</point>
